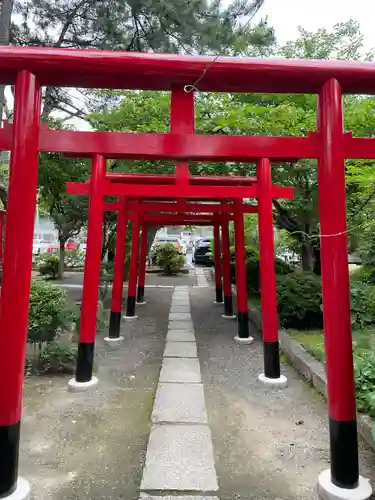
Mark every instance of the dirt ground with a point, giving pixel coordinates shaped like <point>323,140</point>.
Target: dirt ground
<point>268,444</point>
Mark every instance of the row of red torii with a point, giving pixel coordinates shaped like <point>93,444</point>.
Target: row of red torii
<point>31,68</point>
<point>144,213</point>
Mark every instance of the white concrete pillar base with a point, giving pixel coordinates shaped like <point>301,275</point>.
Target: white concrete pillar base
<point>274,383</point>
<point>113,342</point>
<point>141,303</point>
<point>243,341</point>
<point>74,386</point>
<point>218,303</point>
<point>328,491</point>
<point>231,316</point>
<point>22,492</point>
<point>129,318</point>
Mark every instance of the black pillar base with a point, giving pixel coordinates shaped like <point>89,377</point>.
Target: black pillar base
<point>130,306</point>
<point>344,453</point>
<point>228,305</point>
<point>114,325</point>
<point>219,295</point>
<point>85,361</point>
<point>9,446</point>
<point>243,325</point>
<point>141,294</point>
<point>271,359</point>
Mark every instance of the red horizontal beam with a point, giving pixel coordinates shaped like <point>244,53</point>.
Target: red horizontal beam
<point>201,192</point>
<point>130,70</point>
<point>194,180</point>
<point>354,148</point>
<point>357,148</point>
<point>190,207</point>
<point>111,206</point>
<point>194,147</point>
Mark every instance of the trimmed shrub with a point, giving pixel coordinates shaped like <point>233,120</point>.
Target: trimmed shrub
<point>74,258</point>
<point>253,268</point>
<point>362,305</point>
<point>365,382</point>
<point>56,357</point>
<point>48,266</point>
<point>364,274</point>
<point>169,258</point>
<point>48,312</point>
<point>299,299</point>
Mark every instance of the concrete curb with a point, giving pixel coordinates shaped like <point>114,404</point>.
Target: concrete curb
<point>312,370</point>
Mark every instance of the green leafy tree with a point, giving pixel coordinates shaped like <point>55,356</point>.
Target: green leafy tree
<point>271,114</point>
<point>171,26</point>
<point>68,212</point>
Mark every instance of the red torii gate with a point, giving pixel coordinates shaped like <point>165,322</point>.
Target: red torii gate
<point>30,68</point>
<point>266,193</point>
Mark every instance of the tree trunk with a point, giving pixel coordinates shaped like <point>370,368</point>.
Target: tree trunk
<point>60,273</point>
<point>307,257</point>
<point>317,264</point>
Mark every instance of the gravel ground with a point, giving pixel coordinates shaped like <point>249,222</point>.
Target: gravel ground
<point>269,444</point>
<point>76,446</point>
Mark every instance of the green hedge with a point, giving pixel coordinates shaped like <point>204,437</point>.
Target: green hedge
<point>299,299</point>
<point>253,268</point>
<point>48,311</point>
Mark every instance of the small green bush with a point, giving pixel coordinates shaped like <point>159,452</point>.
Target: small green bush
<point>299,298</point>
<point>362,305</point>
<point>48,311</point>
<point>74,258</point>
<point>363,274</point>
<point>282,268</point>
<point>56,357</point>
<point>253,268</point>
<point>365,382</point>
<point>169,258</point>
<point>48,265</point>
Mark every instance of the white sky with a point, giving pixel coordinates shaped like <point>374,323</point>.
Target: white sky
<point>286,15</point>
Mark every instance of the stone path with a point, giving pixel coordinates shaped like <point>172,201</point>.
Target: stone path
<point>201,276</point>
<point>180,454</point>
<point>178,415</point>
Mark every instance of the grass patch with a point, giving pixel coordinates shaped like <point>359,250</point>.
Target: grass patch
<point>255,299</point>
<point>311,340</point>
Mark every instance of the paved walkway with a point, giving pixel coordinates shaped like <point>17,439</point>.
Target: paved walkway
<point>179,414</point>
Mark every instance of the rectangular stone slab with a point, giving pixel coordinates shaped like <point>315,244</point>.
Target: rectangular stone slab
<point>180,336</point>
<point>185,308</point>
<point>179,458</point>
<point>178,300</point>
<point>179,316</point>
<point>151,497</point>
<point>181,325</point>
<point>180,350</point>
<point>179,403</point>
<point>181,370</point>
